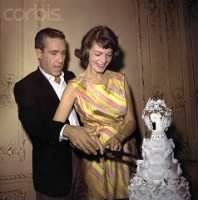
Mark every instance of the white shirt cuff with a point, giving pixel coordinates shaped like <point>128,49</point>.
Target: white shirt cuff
<point>61,136</point>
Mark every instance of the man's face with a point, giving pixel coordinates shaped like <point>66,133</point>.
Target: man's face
<point>52,57</point>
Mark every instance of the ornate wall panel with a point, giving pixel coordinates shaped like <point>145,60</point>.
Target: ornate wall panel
<point>167,60</point>
<point>15,148</point>
<point>163,52</point>
<point>19,189</point>
<point>191,24</point>
<point>12,141</point>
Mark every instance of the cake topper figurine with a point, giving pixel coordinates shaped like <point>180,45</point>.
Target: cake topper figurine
<point>156,115</point>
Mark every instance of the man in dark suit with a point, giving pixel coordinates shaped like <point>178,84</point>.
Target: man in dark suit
<point>37,96</point>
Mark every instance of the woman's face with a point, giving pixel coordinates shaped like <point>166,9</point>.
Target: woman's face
<point>99,58</point>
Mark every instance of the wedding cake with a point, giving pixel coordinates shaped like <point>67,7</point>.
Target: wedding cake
<point>158,175</point>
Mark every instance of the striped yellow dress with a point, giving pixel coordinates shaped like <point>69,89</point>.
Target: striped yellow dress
<point>104,107</point>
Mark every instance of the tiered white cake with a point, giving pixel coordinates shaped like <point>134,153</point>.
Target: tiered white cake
<point>158,175</point>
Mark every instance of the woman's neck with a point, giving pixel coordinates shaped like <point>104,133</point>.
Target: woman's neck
<point>97,78</point>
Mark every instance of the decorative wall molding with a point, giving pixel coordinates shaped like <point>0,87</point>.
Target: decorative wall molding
<point>16,177</point>
<point>170,4</point>
<point>178,98</point>
<point>13,195</point>
<point>151,6</point>
<point>154,5</point>
<point>158,92</point>
<point>7,82</point>
<point>12,151</point>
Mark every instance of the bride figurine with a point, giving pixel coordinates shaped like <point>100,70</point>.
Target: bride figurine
<point>157,118</point>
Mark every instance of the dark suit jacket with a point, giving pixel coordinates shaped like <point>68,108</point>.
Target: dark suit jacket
<point>52,164</point>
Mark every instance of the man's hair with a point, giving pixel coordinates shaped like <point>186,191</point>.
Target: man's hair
<point>47,33</point>
<point>103,36</point>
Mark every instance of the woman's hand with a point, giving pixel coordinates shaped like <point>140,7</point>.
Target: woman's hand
<point>114,143</point>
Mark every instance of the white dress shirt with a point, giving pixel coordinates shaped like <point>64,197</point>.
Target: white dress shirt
<point>59,88</point>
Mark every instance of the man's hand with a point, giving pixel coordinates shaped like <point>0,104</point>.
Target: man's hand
<point>80,137</point>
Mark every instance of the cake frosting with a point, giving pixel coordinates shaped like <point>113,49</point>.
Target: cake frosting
<point>159,174</point>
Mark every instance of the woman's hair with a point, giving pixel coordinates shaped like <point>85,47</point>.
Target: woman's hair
<point>47,33</point>
<point>103,36</point>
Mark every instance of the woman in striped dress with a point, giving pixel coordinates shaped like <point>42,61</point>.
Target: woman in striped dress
<point>102,99</point>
